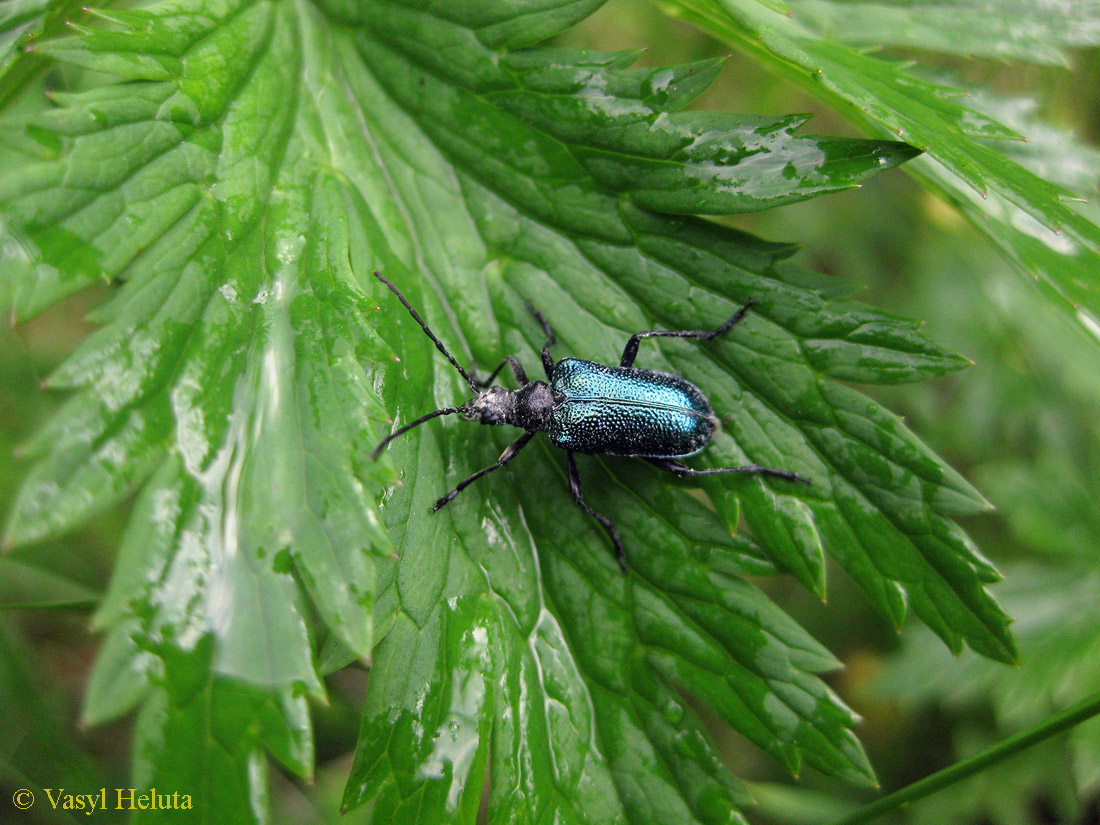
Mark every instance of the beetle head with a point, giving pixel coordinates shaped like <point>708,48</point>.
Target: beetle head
<point>494,406</point>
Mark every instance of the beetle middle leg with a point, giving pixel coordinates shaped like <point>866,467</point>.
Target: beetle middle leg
<point>510,453</point>
<point>747,469</point>
<point>608,524</point>
<point>631,351</point>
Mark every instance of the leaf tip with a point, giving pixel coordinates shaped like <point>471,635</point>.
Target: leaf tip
<point>818,576</point>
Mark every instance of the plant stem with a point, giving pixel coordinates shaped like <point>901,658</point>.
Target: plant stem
<point>1074,714</point>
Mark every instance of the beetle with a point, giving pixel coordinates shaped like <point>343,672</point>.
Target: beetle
<point>592,408</point>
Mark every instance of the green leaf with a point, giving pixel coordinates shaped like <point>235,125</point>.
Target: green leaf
<point>122,675</point>
<point>17,19</point>
<point>1037,32</point>
<point>625,130</point>
<point>207,742</point>
<point>39,750</point>
<point>23,24</point>
<point>432,688</point>
<point>247,169</point>
<point>1032,441</point>
<point>1057,629</point>
<point>61,574</point>
<point>1026,216</point>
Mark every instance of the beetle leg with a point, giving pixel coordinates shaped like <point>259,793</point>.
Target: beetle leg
<point>631,351</point>
<point>547,361</point>
<point>510,453</point>
<point>608,524</point>
<point>748,469</point>
<point>517,372</point>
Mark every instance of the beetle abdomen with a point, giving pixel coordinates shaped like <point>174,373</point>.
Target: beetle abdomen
<point>628,411</point>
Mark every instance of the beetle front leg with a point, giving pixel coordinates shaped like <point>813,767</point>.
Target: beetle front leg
<point>747,469</point>
<point>608,524</point>
<point>510,453</point>
<point>631,351</point>
<point>518,372</point>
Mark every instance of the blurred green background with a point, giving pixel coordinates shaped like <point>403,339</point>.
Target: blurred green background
<point>1021,424</point>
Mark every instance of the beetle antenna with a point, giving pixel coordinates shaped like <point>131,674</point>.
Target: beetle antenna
<point>445,411</point>
<point>438,344</point>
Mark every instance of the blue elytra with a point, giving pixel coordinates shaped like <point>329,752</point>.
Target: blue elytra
<point>626,411</point>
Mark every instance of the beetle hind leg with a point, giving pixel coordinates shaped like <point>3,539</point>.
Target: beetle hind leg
<point>631,351</point>
<point>608,524</point>
<point>746,469</point>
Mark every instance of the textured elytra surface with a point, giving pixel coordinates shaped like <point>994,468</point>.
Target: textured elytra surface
<point>628,411</point>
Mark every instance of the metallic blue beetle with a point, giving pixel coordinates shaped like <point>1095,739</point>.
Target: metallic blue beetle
<point>592,408</point>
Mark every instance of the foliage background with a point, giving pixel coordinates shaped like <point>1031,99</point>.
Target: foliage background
<point>1020,424</point>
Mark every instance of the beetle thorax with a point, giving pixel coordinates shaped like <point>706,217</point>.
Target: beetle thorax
<point>528,407</point>
<point>534,404</point>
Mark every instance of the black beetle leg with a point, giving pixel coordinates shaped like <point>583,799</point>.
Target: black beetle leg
<point>510,453</point>
<point>631,351</point>
<point>748,469</point>
<point>518,373</point>
<point>547,361</point>
<point>608,524</point>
